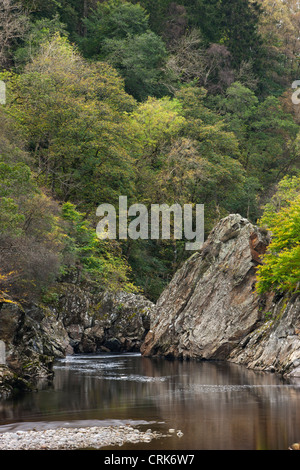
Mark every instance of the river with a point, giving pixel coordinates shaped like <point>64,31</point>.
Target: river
<point>216,405</point>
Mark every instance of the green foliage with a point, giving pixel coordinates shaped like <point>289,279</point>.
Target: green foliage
<point>118,32</point>
<point>155,123</point>
<point>281,268</point>
<point>287,190</point>
<point>214,171</point>
<point>153,264</point>
<point>11,220</point>
<point>265,131</point>
<point>69,12</point>
<point>113,19</point>
<point>30,236</point>
<point>15,179</point>
<point>16,186</point>
<point>97,260</point>
<point>157,12</point>
<point>72,115</point>
<point>165,103</point>
<point>233,23</point>
<point>39,32</point>
<point>30,240</point>
<point>139,59</point>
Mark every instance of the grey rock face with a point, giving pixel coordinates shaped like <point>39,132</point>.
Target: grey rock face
<point>210,310</point>
<point>33,337</point>
<point>78,321</point>
<point>110,321</point>
<point>2,353</point>
<point>275,346</point>
<point>210,304</point>
<point>120,323</point>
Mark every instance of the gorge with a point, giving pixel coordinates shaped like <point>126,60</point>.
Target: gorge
<point>209,311</point>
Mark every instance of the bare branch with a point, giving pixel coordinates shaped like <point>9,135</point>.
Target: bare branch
<point>13,25</point>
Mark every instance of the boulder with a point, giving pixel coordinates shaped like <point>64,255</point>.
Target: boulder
<point>10,382</point>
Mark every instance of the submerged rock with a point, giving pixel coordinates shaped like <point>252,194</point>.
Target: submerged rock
<point>75,438</point>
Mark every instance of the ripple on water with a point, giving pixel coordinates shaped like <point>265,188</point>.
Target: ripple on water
<point>82,365</point>
<point>104,364</point>
<point>85,357</point>
<point>134,378</point>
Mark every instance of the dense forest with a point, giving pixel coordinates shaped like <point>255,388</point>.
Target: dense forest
<point>162,102</point>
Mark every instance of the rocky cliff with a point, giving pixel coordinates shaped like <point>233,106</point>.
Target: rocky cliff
<point>210,309</point>
<point>74,321</point>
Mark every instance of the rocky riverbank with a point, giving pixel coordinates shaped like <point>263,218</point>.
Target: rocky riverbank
<point>75,438</point>
<point>210,310</point>
<point>74,320</point>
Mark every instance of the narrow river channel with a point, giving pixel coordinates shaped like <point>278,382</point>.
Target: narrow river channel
<point>215,405</point>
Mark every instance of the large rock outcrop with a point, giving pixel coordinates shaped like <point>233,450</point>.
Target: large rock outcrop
<point>210,309</point>
<point>120,324</point>
<point>110,321</point>
<point>33,338</point>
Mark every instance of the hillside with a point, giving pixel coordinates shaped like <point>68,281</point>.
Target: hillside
<point>190,103</point>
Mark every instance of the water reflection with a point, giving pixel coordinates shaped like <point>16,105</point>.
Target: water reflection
<point>216,405</point>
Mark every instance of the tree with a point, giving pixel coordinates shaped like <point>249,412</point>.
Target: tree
<point>39,32</point>
<point>265,131</point>
<point>13,24</point>
<point>155,123</point>
<point>118,32</point>
<point>42,242</point>
<point>30,235</point>
<point>190,60</point>
<point>140,60</point>
<point>73,117</point>
<point>280,270</point>
<point>279,26</point>
<point>186,153</point>
<point>11,143</point>
<point>239,24</point>
<point>113,19</point>
<point>69,12</point>
<point>232,23</point>
<point>286,191</point>
<point>157,12</point>
<point>97,261</point>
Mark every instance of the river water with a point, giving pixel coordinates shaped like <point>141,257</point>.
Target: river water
<point>216,405</point>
